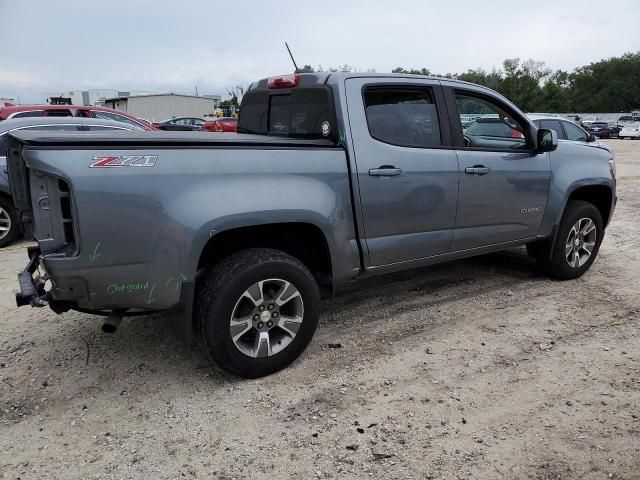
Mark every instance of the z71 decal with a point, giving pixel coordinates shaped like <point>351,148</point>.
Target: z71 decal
<point>113,161</point>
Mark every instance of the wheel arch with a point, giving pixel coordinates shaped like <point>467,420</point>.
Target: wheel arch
<point>599,194</point>
<point>302,240</point>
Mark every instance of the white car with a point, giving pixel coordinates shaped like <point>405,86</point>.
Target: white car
<point>630,131</point>
<point>565,128</point>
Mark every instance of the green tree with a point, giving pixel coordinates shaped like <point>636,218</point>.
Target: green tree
<point>556,93</point>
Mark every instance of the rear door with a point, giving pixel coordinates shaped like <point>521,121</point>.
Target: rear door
<point>407,171</point>
<point>504,183</point>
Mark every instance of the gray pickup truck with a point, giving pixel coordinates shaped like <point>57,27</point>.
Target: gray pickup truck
<point>330,178</point>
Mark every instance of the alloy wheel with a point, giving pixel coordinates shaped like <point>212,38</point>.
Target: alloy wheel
<point>580,242</point>
<point>266,318</point>
<point>5,223</point>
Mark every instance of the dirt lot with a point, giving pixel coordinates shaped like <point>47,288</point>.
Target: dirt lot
<point>477,369</point>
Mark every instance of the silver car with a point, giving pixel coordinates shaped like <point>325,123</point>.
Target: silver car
<point>565,128</point>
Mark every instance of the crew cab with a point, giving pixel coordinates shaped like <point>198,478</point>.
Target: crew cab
<point>331,177</point>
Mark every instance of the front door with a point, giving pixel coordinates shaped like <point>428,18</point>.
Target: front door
<point>504,183</point>
<point>407,171</point>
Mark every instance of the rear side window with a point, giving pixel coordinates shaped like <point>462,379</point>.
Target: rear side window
<point>298,112</point>
<point>552,125</point>
<point>404,116</point>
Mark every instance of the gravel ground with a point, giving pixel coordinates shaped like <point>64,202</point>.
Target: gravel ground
<point>481,368</point>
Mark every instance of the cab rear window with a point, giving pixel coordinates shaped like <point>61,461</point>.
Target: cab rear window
<point>298,112</point>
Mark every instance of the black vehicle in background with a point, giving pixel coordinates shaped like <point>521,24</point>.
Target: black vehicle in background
<point>180,124</point>
<point>601,129</point>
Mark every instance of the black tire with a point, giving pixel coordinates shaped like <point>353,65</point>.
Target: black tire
<point>7,210</point>
<point>220,291</point>
<point>556,263</point>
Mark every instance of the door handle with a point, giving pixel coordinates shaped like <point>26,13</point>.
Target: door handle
<point>385,171</point>
<point>477,170</point>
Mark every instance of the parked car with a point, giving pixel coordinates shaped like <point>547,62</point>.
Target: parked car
<point>10,228</point>
<point>103,113</point>
<point>224,124</point>
<point>566,129</point>
<point>331,177</point>
<point>600,129</point>
<point>614,129</point>
<point>180,124</point>
<point>630,131</point>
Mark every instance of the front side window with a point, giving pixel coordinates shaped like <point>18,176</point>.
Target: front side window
<point>486,125</point>
<point>552,125</point>
<point>575,133</point>
<point>404,116</point>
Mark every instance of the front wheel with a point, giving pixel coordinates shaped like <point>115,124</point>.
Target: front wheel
<point>576,246</point>
<point>257,311</point>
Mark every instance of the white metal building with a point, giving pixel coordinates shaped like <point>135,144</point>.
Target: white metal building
<point>161,106</point>
<point>92,96</point>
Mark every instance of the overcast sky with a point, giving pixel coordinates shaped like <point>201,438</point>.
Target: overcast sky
<point>173,45</point>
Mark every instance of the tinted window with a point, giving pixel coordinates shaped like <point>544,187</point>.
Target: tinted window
<point>299,112</point>
<point>489,125</point>
<point>552,125</point>
<point>115,117</point>
<point>33,113</point>
<point>574,132</point>
<point>403,116</point>
<point>58,113</point>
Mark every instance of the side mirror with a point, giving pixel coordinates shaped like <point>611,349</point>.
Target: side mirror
<point>547,140</point>
<point>591,138</point>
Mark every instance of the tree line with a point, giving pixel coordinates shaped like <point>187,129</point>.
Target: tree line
<point>610,85</point>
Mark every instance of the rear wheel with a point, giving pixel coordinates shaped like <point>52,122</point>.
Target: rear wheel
<point>257,311</point>
<point>577,242</point>
<point>9,225</point>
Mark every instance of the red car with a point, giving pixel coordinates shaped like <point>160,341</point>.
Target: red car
<point>21,111</point>
<point>224,124</point>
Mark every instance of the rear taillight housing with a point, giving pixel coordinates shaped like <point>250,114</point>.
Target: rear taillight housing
<point>283,81</point>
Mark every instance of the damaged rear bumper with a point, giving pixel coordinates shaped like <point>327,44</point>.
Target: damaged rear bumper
<point>32,281</point>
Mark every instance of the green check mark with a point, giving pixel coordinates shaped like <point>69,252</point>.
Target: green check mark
<point>96,253</point>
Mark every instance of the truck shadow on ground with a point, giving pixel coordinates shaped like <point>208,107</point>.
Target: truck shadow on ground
<point>144,353</point>
<point>152,335</point>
